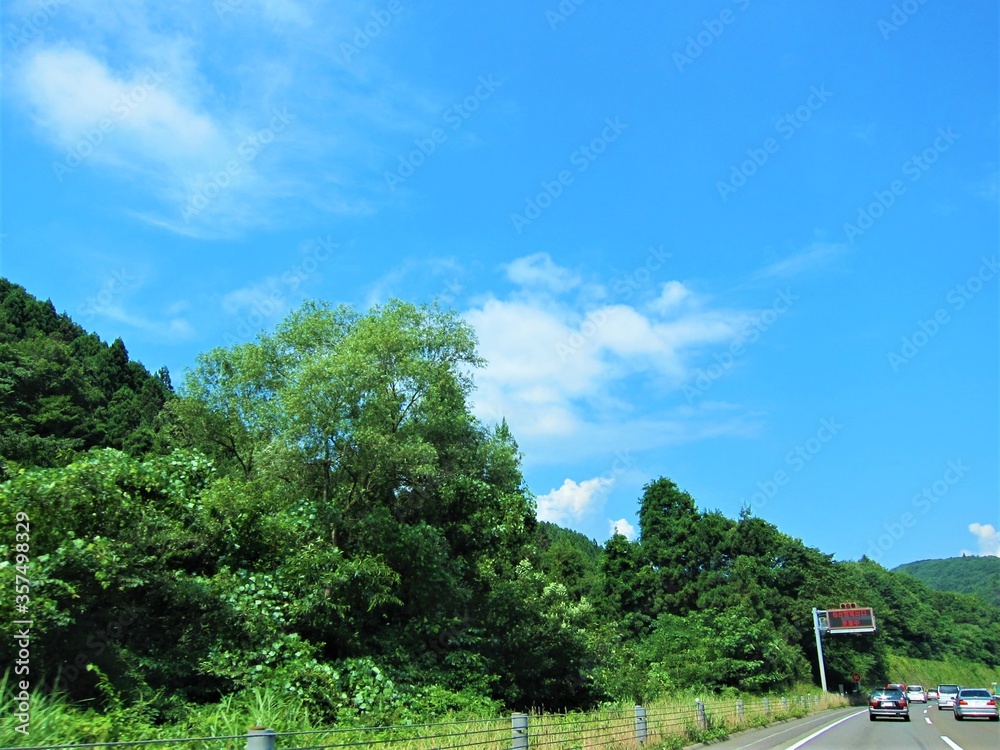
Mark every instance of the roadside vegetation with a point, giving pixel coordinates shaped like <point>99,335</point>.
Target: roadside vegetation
<point>930,674</point>
<point>316,527</point>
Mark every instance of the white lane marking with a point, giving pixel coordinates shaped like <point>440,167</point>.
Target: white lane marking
<point>783,731</point>
<point>818,732</point>
<point>951,744</point>
<point>928,719</point>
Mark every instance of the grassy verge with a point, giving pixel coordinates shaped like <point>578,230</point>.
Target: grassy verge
<point>670,723</point>
<point>933,673</point>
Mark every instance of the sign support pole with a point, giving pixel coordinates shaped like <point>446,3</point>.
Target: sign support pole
<point>819,649</point>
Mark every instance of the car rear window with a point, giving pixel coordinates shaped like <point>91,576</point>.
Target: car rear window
<point>976,694</point>
<point>947,688</point>
<point>890,694</point>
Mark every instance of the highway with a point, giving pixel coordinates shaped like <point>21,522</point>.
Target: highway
<point>849,729</point>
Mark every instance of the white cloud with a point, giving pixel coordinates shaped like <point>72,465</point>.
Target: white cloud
<point>623,527</point>
<point>97,114</point>
<point>572,501</point>
<point>539,270</point>
<point>552,365</point>
<point>672,295</point>
<point>988,537</point>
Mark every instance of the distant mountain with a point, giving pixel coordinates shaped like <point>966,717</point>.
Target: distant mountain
<point>964,575</point>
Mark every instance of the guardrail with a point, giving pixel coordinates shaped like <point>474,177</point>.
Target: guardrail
<point>621,727</point>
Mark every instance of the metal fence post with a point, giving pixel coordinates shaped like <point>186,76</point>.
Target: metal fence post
<point>739,710</point>
<point>784,703</point>
<point>702,719</point>
<point>640,725</point>
<point>519,732</point>
<point>767,706</point>
<point>259,738</point>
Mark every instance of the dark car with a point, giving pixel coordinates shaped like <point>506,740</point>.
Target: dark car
<point>888,702</point>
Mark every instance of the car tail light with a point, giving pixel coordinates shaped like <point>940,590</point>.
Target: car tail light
<point>991,703</point>
<point>873,704</point>
<point>963,703</point>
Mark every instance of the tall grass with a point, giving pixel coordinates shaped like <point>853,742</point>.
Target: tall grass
<point>671,722</point>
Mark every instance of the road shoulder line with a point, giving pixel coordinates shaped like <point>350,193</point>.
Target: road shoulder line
<point>820,731</point>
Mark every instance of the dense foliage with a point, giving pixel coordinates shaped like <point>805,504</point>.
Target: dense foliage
<point>965,575</point>
<point>318,512</point>
<point>63,390</point>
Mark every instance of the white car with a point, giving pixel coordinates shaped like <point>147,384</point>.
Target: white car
<point>976,702</point>
<point>916,694</point>
<point>946,696</point>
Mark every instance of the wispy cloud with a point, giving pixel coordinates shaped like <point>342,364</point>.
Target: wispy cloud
<point>539,270</point>
<point>140,93</point>
<point>166,328</point>
<point>810,259</point>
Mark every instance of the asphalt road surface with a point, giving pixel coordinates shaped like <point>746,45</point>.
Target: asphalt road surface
<point>849,729</point>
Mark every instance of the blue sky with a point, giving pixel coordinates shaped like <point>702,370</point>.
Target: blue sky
<point>748,246</point>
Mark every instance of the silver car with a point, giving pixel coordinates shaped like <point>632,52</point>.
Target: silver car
<point>946,696</point>
<point>916,694</point>
<point>976,702</point>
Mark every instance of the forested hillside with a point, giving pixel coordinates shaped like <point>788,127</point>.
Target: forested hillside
<point>319,512</point>
<point>966,575</point>
<point>63,390</point>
